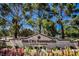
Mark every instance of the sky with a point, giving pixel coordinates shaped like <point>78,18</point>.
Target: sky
<point>52,19</point>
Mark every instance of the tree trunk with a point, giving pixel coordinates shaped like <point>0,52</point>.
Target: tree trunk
<point>62,30</point>
<point>62,27</point>
<point>40,28</point>
<point>16,29</point>
<point>15,34</point>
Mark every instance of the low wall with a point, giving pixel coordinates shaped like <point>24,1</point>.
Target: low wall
<point>61,44</point>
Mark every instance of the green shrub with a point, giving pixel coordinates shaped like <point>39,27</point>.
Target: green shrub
<point>9,46</point>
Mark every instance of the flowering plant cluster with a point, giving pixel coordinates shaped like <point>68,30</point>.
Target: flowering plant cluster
<point>38,52</point>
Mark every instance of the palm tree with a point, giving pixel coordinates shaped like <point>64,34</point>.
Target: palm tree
<point>41,12</point>
<point>16,26</point>
<point>3,26</point>
<point>75,23</point>
<point>15,11</point>
<point>59,9</point>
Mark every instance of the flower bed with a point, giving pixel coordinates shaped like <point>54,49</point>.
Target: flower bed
<point>40,52</point>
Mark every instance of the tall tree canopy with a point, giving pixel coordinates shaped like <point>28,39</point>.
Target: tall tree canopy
<point>41,17</point>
